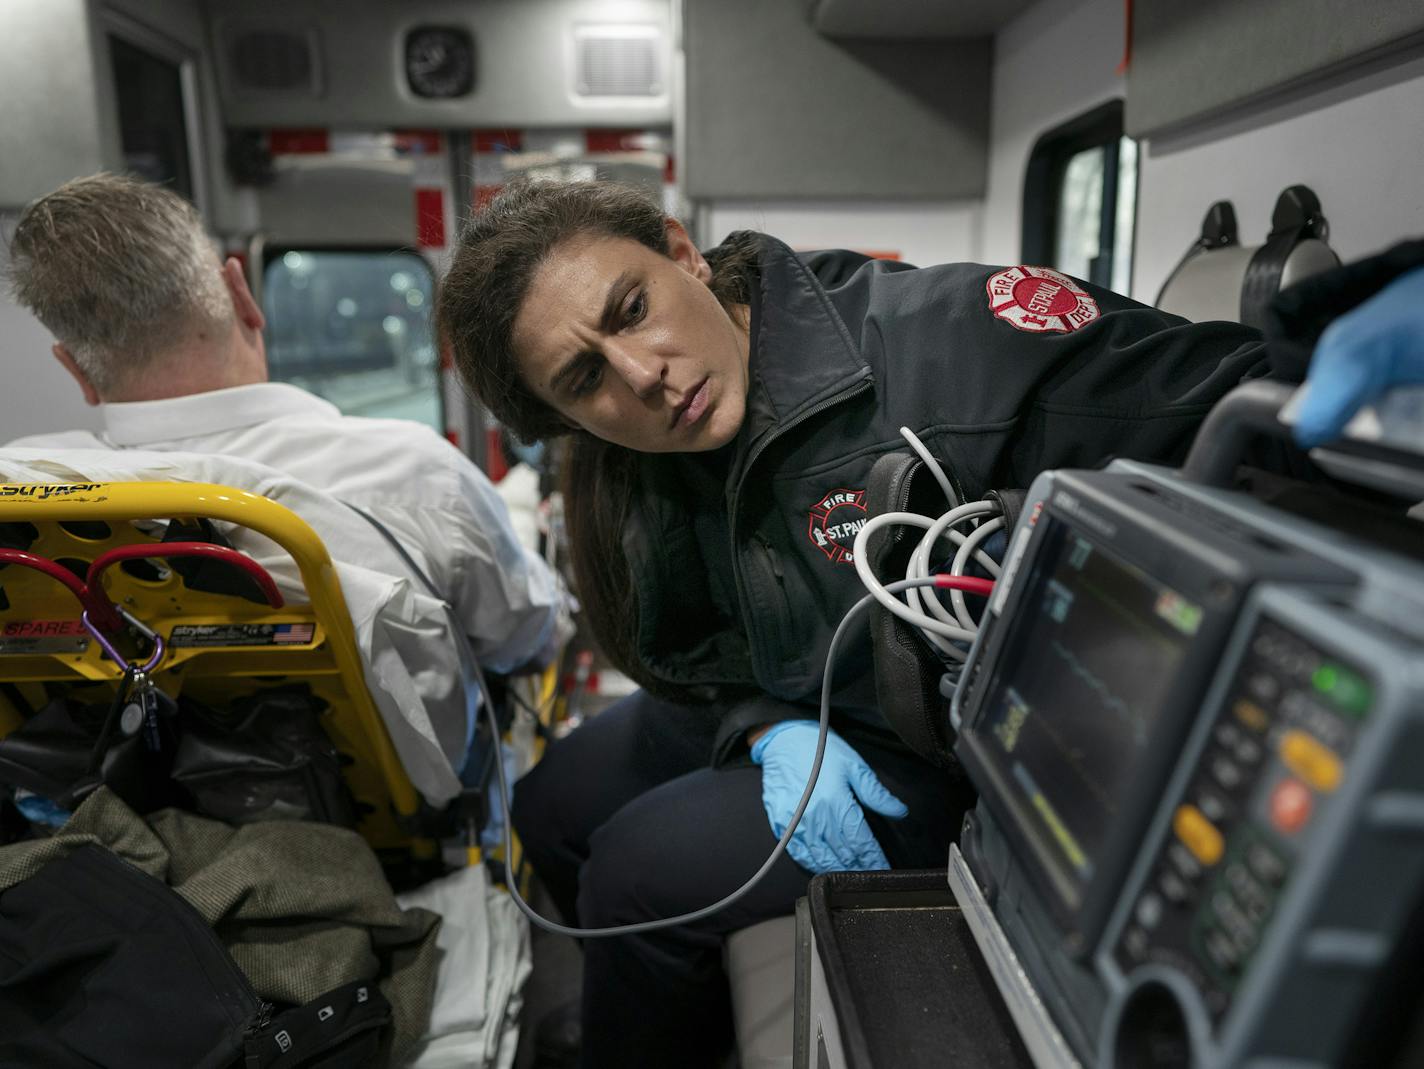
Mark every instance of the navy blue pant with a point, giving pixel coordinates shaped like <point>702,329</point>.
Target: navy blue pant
<point>624,821</point>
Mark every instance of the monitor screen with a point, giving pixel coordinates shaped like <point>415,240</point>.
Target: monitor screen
<point>1094,651</point>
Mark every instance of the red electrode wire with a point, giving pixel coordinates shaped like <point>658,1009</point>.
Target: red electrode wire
<point>967,583</point>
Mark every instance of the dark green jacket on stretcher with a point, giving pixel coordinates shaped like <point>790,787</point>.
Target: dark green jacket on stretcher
<point>1003,373</point>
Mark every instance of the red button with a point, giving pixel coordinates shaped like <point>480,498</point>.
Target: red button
<point>1290,805</point>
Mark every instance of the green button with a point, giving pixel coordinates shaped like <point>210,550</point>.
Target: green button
<point>1347,691</point>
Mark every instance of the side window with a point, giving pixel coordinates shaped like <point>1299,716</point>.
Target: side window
<point>353,326</point>
<point>1080,199</point>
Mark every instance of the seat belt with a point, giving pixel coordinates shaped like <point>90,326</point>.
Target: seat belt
<point>1297,216</point>
<point>464,653</point>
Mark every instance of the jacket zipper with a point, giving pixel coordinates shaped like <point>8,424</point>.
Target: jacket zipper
<point>754,632</point>
<point>259,1024</point>
<point>772,560</point>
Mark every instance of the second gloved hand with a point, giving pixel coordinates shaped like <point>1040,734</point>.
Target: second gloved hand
<point>833,835</point>
<point>1362,354</point>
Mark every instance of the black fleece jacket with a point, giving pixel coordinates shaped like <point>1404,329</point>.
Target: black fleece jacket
<point>1002,373</point>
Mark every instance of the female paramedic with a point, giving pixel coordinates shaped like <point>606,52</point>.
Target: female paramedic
<point>725,410</point>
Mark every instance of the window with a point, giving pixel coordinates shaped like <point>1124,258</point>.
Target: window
<point>153,131</point>
<point>156,101</point>
<point>353,326</point>
<point>1080,199</point>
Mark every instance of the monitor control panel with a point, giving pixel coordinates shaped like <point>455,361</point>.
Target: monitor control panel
<point>1277,752</point>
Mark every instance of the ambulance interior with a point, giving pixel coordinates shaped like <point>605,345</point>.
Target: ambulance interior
<point>335,147</point>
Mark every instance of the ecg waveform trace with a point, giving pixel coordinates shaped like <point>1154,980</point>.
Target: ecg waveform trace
<point>1093,682</point>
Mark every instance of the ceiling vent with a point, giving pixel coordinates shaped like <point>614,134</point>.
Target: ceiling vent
<point>618,60</point>
<point>270,59</point>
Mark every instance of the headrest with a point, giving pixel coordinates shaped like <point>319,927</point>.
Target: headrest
<point>1221,279</point>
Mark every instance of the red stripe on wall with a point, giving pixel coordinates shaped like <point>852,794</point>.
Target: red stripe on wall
<point>612,140</point>
<point>297,142</point>
<point>485,194</point>
<point>430,218</point>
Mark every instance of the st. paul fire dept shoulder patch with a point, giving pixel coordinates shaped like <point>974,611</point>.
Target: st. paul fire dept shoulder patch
<point>1039,300</point>
<point>834,521</point>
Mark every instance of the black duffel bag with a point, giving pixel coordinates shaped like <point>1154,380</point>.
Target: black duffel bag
<point>265,757</point>
<point>103,965</point>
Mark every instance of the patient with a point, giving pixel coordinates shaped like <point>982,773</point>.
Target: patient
<point>167,340</point>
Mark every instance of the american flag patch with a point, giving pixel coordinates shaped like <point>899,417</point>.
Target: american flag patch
<point>293,634</point>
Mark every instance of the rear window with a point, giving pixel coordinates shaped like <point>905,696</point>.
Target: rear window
<point>353,326</point>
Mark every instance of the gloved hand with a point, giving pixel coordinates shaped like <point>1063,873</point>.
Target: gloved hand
<point>832,835</point>
<point>1362,354</point>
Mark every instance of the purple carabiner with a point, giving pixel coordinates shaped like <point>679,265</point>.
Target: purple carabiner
<point>117,657</point>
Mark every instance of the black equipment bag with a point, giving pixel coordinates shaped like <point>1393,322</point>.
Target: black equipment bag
<point>70,747</point>
<point>265,757</point>
<point>907,670</point>
<point>103,965</point>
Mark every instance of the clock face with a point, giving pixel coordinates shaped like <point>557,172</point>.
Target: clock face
<point>440,62</point>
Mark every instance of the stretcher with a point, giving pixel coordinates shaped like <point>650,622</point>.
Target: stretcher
<point>88,587</point>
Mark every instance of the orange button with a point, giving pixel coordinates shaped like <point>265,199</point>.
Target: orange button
<point>1250,714</point>
<point>1311,760</point>
<point>1198,834</point>
<point>1290,805</point>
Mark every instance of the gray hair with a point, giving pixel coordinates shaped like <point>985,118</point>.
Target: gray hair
<point>120,271</point>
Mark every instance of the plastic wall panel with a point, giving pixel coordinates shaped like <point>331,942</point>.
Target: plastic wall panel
<point>50,125</point>
<point>40,396</point>
<point>913,18</point>
<point>523,63</point>
<point>776,110</point>
<point>1194,60</point>
<point>1054,62</point>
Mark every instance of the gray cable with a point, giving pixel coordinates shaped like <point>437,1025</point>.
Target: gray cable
<point>470,669</point>
<point>718,906</point>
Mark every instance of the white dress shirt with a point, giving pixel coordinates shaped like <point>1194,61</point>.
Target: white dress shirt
<point>443,509</point>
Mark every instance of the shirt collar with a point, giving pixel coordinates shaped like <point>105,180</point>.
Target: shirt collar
<point>137,423</point>
<point>801,352</point>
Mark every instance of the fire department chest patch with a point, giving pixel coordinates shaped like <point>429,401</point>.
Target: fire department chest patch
<point>1037,299</point>
<point>834,521</point>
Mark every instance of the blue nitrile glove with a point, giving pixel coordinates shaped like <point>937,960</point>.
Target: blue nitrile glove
<point>832,835</point>
<point>1362,354</point>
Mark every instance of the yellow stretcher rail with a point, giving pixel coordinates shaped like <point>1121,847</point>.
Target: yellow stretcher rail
<point>66,517</point>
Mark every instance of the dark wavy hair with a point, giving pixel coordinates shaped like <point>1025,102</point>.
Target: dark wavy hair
<point>498,253</point>
<point>496,257</point>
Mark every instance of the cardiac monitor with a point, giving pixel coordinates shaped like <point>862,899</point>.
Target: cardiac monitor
<point>1196,722</point>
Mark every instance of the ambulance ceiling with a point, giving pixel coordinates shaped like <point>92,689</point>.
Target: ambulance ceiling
<point>913,18</point>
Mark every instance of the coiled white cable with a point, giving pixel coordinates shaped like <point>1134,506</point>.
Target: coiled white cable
<point>920,619</point>
<point>920,558</point>
<point>961,559</point>
<point>941,627</point>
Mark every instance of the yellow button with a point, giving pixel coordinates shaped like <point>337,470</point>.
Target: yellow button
<point>1250,714</point>
<point>1311,760</point>
<point>1198,834</point>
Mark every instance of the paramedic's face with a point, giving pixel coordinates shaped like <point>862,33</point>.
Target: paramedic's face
<point>632,346</point>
